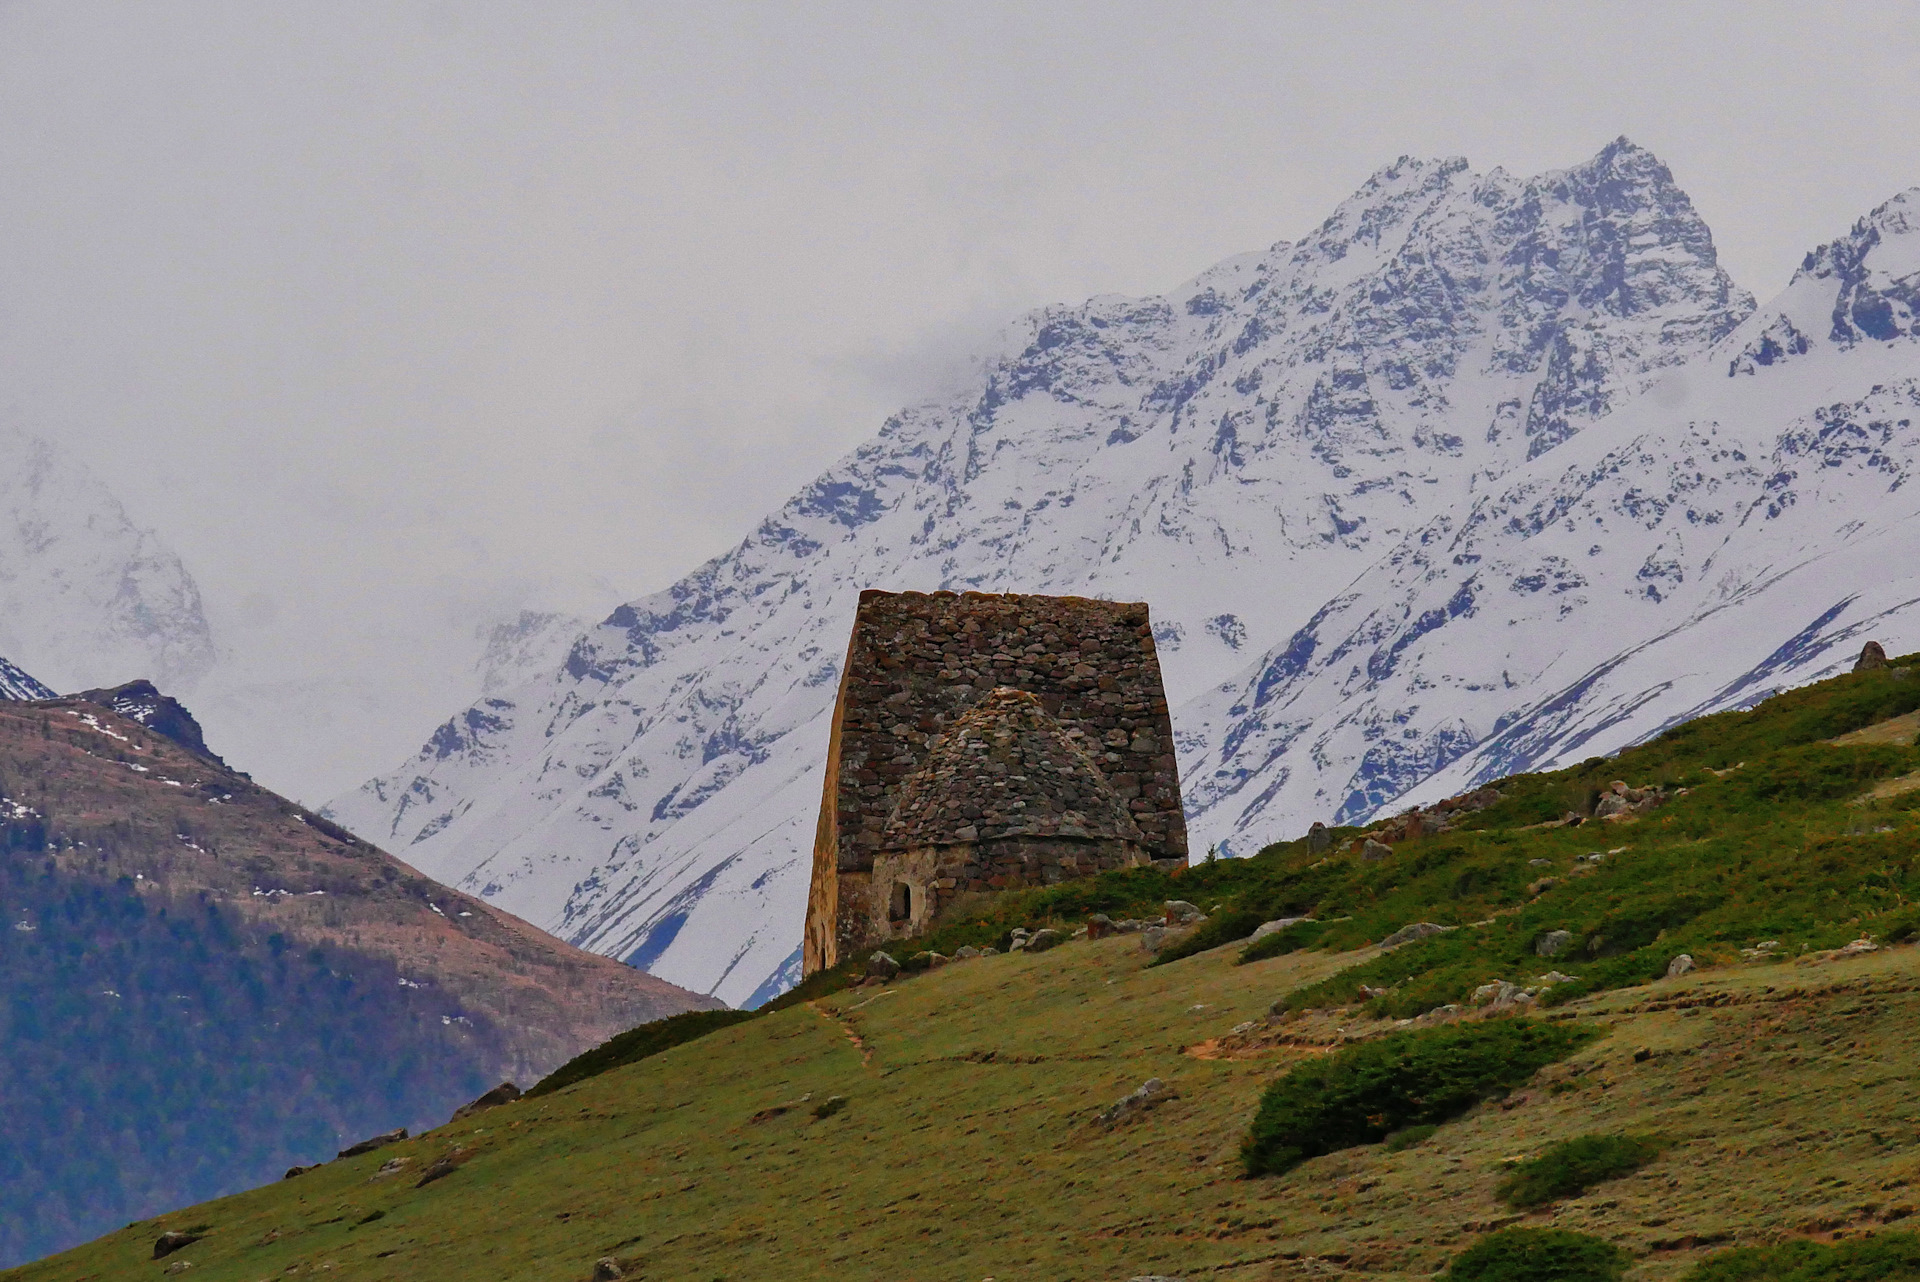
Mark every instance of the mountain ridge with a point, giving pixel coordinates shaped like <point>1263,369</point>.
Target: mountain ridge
<point>206,984</point>
<point>1284,413</point>
<point>1788,444</point>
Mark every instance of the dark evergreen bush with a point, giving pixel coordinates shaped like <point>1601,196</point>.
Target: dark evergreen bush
<point>1281,942</point>
<point>1363,1093</point>
<point>1571,1167</point>
<point>639,1043</point>
<point>1221,928</point>
<point>1539,1255</point>
<point>1887,1257</point>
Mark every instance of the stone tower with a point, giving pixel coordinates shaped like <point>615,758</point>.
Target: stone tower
<point>982,742</point>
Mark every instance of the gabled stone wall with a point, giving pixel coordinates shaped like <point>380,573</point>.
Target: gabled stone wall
<point>917,662</point>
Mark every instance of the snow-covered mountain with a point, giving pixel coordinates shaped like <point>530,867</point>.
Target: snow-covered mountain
<point>15,684</point>
<point>1234,452</point>
<point>1743,528</point>
<point>87,598</point>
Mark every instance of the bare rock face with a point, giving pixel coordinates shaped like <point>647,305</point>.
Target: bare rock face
<point>373,1142</point>
<point>1553,943</point>
<point>141,701</point>
<point>172,1241</point>
<point>504,1093</point>
<point>1871,656</point>
<point>1417,930</point>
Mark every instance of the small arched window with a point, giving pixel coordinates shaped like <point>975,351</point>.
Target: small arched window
<point>901,907</point>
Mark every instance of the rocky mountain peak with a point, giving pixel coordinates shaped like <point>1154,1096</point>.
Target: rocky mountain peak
<point>141,701</point>
<point>1284,417</point>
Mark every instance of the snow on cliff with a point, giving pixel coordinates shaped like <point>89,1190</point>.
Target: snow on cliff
<point>1743,528</point>
<point>1234,452</point>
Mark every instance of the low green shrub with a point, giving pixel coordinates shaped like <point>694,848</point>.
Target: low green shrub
<point>1363,1093</point>
<point>1539,1255</point>
<point>1817,772</point>
<point>1281,942</point>
<point>1221,928</point>
<point>1409,1137</point>
<point>639,1043</point>
<point>1571,1167</point>
<point>1886,1257</point>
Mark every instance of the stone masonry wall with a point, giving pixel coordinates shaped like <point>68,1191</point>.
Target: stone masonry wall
<point>917,661</point>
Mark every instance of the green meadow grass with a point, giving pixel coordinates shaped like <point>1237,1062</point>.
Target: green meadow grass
<point>947,1126</point>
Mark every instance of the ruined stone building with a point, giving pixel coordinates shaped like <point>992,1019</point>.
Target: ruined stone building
<point>982,742</point>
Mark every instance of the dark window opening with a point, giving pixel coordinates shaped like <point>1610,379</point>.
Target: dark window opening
<point>901,909</point>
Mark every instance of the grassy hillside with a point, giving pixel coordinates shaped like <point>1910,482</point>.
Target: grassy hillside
<point>202,984</point>
<point>949,1124</point>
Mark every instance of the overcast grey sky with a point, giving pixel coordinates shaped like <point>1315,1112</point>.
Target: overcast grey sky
<point>389,315</point>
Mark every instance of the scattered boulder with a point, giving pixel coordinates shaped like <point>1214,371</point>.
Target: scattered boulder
<point>1373,851</point>
<point>1539,863</point>
<point>1319,839</point>
<point>293,1171</point>
<point>1622,802</point>
<point>377,1141</point>
<point>1556,977</point>
<point>1041,940</point>
<point>1679,966</point>
<point>1153,938</point>
<point>936,960</point>
<point>607,1269</point>
<point>1855,948</point>
<point>882,966</point>
<point>1266,928</point>
<point>1151,1094</point>
<point>1182,913</point>
<point>1553,943</point>
<point>390,1168</point>
<point>966,952</point>
<point>446,1164</point>
<point>504,1093</point>
<point>1017,938</point>
<point>1541,887</point>
<point>1099,926</point>
<point>178,1266</point>
<point>1871,656</point>
<point>1500,994</point>
<point>173,1240</point>
<point>1417,930</point>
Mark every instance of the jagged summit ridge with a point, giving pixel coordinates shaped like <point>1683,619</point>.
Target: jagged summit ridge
<point>1280,419</point>
<point>1742,529</point>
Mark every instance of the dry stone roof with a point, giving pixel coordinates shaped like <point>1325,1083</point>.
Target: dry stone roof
<point>1007,769</point>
